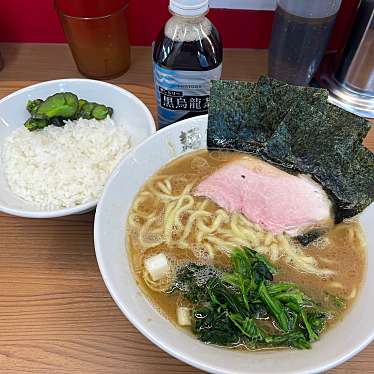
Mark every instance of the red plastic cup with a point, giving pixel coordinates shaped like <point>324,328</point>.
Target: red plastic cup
<point>97,33</point>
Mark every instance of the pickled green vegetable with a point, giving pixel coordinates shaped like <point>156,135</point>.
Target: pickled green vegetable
<point>55,109</point>
<point>62,104</point>
<point>100,112</point>
<point>33,105</point>
<point>33,124</point>
<point>86,111</point>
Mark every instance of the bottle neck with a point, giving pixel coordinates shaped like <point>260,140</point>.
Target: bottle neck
<point>189,19</point>
<point>187,29</point>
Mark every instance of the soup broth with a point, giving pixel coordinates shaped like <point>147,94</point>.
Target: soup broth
<point>332,265</point>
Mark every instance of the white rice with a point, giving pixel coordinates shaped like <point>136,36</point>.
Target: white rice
<point>60,167</point>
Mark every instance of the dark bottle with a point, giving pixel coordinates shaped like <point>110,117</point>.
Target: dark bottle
<point>187,55</point>
<point>301,31</point>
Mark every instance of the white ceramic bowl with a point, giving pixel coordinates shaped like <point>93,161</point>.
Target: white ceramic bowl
<point>336,345</point>
<point>128,109</point>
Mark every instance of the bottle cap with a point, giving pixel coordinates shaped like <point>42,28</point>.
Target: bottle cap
<point>189,7</point>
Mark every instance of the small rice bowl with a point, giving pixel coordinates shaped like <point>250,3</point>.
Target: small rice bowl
<point>62,167</point>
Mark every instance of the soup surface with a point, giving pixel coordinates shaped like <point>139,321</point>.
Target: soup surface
<point>167,218</point>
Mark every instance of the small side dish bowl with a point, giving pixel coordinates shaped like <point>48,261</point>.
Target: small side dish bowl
<point>337,345</point>
<point>128,110</point>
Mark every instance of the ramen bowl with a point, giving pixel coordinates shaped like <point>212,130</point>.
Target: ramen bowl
<point>338,344</point>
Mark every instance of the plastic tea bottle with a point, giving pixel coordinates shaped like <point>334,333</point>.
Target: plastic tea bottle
<point>187,55</point>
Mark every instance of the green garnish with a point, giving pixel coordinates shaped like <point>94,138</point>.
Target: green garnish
<point>63,104</point>
<point>229,306</point>
<point>60,107</point>
<point>33,105</point>
<point>336,301</point>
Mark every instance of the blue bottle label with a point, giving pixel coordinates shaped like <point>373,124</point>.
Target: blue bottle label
<point>181,92</point>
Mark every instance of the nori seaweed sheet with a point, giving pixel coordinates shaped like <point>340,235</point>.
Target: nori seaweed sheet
<point>351,184</point>
<point>226,124</point>
<point>273,99</point>
<point>310,236</point>
<point>253,111</point>
<point>325,145</point>
<point>295,128</point>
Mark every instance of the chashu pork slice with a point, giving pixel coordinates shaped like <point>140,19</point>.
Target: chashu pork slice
<point>276,200</point>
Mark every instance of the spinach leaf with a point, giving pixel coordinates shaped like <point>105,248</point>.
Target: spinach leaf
<point>275,307</point>
<point>191,280</point>
<point>228,306</point>
<point>249,328</point>
<point>215,327</point>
